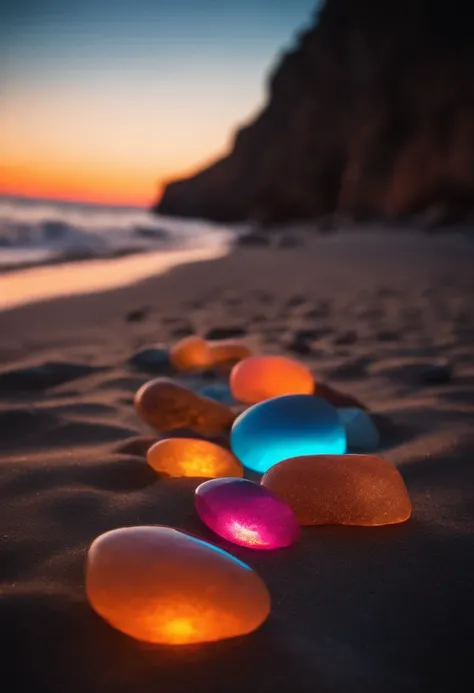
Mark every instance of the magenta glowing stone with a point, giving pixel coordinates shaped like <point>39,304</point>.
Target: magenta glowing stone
<point>246,513</point>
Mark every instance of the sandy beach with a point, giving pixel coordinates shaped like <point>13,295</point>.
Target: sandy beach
<point>387,318</point>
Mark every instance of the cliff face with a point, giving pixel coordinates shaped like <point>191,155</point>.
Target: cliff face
<point>371,115</point>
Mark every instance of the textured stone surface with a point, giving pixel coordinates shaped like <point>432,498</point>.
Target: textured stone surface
<point>165,405</point>
<point>261,377</point>
<point>341,490</point>
<point>191,457</point>
<point>284,427</point>
<point>162,586</point>
<point>246,513</point>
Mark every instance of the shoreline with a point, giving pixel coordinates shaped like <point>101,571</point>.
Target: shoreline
<point>58,280</point>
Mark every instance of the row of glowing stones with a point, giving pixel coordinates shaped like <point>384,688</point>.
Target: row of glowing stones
<point>140,579</point>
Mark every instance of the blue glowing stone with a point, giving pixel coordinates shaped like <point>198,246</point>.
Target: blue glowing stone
<point>284,427</point>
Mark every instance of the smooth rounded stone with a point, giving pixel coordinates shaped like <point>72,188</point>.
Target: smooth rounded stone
<point>361,433</point>
<point>284,427</point>
<point>153,359</point>
<point>360,490</point>
<point>165,405</point>
<point>162,586</point>
<point>246,513</point>
<point>190,353</point>
<point>228,351</point>
<point>218,391</point>
<point>261,377</point>
<point>192,457</point>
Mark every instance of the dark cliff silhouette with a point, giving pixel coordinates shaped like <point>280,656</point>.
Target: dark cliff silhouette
<point>372,115</point>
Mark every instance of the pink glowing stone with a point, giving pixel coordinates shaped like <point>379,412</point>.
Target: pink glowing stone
<point>246,513</point>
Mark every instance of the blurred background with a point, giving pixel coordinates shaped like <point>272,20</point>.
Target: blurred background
<point>103,101</point>
<point>149,125</point>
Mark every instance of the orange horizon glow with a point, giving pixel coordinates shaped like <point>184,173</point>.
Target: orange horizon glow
<point>120,188</point>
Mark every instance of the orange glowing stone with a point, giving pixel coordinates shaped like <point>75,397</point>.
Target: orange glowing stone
<point>341,490</point>
<point>262,377</point>
<point>228,351</point>
<point>165,405</point>
<point>191,457</point>
<point>162,586</point>
<point>190,353</point>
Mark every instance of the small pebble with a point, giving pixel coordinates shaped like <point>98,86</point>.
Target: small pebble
<point>360,490</point>
<point>284,427</point>
<point>190,353</point>
<point>154,359</point>
<point>246,513</point>
<point>191,457</point>
<point>162,586</point>
<point>165,405</point>
<point>262,377</point>
<point>228,351</point>
<point>361,432</point>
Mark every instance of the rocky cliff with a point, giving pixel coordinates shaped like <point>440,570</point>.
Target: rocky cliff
<point>372,114</point>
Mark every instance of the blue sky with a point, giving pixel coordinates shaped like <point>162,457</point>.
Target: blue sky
<point>101,92</point>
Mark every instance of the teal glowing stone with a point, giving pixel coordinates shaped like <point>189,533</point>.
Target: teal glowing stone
<point>288,426</point>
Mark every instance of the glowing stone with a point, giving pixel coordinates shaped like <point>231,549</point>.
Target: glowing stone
<point>162,586</point>
<point>284,427</point>
<point>190,353</point>
<point>191,457</point>
<point>246,513</point>
<point>227,350</point>
<point>262,377</point>
<point>341,490</point>
<point>165,405</point>
<point>361,432</point>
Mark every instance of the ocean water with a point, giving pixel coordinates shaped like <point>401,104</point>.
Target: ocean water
<point>39,232</point>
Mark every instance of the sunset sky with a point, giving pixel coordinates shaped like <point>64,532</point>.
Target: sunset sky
<point>103,100</point>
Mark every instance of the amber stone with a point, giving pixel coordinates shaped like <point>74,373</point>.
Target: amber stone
<point>160,585</point>
<point>190,353</point>
<point>191,457</point>
<point>341,490</point>
<point>165,405</point>
<point>258,378</point>
<point>228,351</point>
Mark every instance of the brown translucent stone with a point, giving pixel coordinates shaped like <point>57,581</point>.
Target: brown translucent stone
<point>162,586</point>
<point>190,353</point>
<point>165,405</point>
<point>341,490</point>
<point>191,457</point>
<point>228,351</point>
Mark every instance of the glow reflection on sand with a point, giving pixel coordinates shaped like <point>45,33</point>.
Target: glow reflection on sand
<point>44,283</point>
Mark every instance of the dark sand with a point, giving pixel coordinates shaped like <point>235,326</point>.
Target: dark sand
<point>354,609</point>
